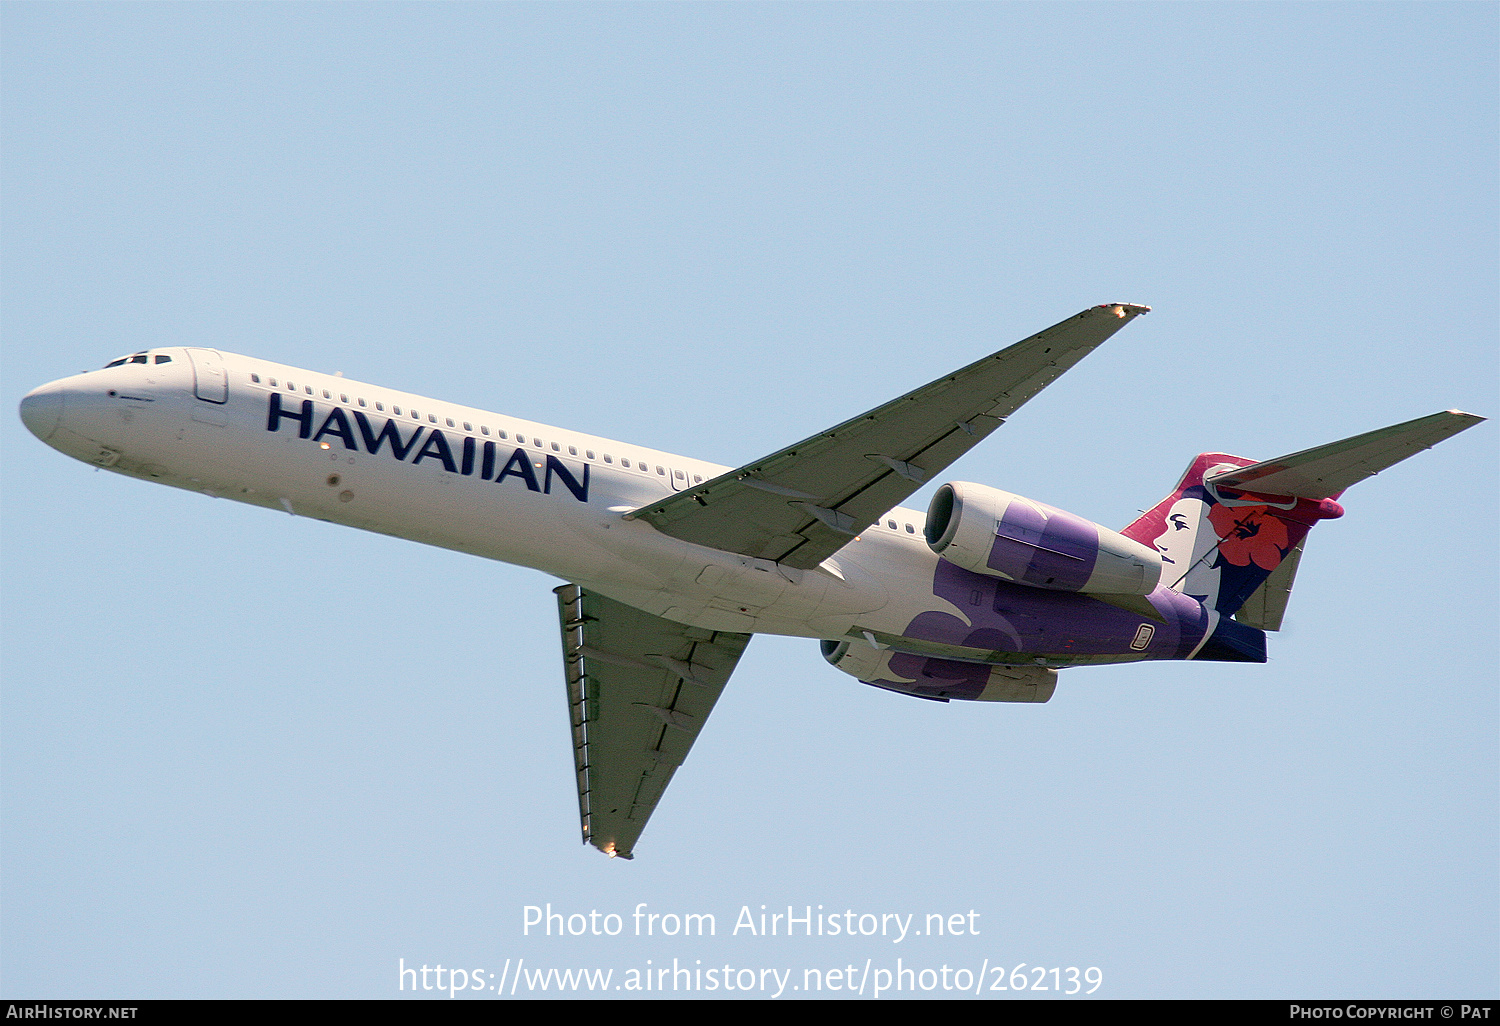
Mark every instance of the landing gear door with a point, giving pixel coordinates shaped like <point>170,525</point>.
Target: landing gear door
<point>210,383</point>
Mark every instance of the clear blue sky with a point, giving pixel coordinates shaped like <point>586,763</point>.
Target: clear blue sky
<point>243,754</point>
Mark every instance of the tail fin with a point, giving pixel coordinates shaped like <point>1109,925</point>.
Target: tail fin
<point>1237,550</point>
<point>1219,545</point>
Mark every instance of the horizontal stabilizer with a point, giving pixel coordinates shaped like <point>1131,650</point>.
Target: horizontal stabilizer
<point>1326,471</point>
<point>1266,608</point>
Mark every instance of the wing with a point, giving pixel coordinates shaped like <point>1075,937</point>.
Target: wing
<point>801,505</point>
<point>639,689</point>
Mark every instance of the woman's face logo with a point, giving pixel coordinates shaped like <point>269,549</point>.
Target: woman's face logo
<point>1177,539</point>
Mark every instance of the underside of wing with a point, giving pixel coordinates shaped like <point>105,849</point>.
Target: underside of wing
<point>804,503</point>
<point>639,690</point>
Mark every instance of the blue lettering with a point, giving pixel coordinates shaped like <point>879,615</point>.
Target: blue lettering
<point>337,425</point>
<point>387,431</point>
<point>580,491</point>
<point>437,445</point>
<point>519,465</point>
<point>305,418</point>
<point>487,468</point>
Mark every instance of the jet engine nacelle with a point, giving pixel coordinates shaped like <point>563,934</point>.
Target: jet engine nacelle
<point>1003,535</point>
<point>872,665</point>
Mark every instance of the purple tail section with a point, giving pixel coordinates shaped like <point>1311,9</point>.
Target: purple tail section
<point>1218,544</point>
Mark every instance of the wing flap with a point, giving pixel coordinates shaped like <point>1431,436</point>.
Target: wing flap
<point>640,688</point>
<point>800,505</point>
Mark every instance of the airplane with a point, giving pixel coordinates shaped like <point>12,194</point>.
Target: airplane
<point>672,564</point>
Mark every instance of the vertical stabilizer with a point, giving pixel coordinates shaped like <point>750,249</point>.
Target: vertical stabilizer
<point>1235,548</point>
<point>1219,544</point>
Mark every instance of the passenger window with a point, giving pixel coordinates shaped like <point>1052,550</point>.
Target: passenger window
<point>394,409</point>
<point>343,398</point>
<point>910,529</point>
<point>327,394</point>
<point>891,524</point>
<point>589,453</point>
<point>536,441</point>
<point>519,438</point>
<point>623,462</point>
<point>163,359</point>
<point>361,402</point>
<point>273,382</point>
<point>697,479</point>
<point>432,418</point>
<point>255,378</point>
<point>572,450</point>
<point>291,387</point>
<point>608,458</point>
<point>556,447</point>
<point>308,389</point>
<point>467,425</point>
<point>484,429</point>
<point>660,471</point>
<point>504,435</point>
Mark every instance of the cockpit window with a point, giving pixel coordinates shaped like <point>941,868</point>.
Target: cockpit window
<point>141,357</point>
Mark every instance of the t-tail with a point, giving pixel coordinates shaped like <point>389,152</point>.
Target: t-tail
<point>1231,534</point>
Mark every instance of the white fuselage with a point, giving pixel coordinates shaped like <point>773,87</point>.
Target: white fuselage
<point>479,482</point>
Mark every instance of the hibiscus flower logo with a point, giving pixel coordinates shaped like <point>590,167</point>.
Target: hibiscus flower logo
<point>1249,534</point>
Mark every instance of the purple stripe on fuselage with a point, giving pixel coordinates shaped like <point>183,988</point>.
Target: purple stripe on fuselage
<point>1004,617</point>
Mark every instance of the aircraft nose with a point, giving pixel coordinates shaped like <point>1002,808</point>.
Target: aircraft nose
<point>41,409</point>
